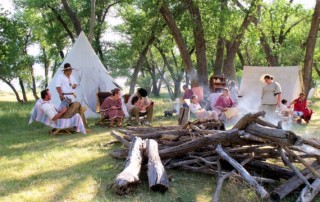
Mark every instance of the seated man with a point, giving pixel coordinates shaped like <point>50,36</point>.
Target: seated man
<point>201,113</point>
<point>46,113</point>
<point>63,113</point>
<point>139,103</point>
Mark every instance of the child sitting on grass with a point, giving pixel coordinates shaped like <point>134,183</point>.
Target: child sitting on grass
<point>285,109</point>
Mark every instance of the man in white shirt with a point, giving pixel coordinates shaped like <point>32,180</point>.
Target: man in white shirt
<point>49,109</point>
<point>66,84</point>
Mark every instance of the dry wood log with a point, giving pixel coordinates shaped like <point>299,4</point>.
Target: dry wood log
<point>247,119</point>
<point>139,129</point>
<point>243,172</point>
<point>189,162</point>
<point>266,123</point>
<point>117,135</point>
<point>269,170</point>
<point>283,137</point>
<point>120,153</point>
<point>158,179</point>
<point>251,137</point>
<point>221,179</point>
<point>201,169</point>
<point>308,193</point>
<point>158,134</point>
<point>313,143</point>
<point>226,137</point>
<point>130,174</point>
<point>293,183</point>
<point>288,163</point>
<point>184,115</point>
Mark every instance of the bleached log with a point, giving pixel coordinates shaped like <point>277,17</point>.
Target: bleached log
<point>131,171</point>
<point>158,179</point>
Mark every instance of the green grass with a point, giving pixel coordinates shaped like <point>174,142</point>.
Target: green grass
<point>38,167</point>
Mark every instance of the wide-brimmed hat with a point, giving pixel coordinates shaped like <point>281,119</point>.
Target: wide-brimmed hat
<point>66,67</point>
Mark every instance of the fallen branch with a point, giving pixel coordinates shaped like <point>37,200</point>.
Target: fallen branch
<point>259,189</point>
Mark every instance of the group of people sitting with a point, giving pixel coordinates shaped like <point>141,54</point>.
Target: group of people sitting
<point>138,104</point>
<point>300,110</point>
<point>68,107</point>
<point>223,108</point>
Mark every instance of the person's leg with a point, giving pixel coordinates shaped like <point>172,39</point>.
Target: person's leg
<point>75,107</point>
<point>72,110</point>
<point>135,112</point>
<point>149,113</point>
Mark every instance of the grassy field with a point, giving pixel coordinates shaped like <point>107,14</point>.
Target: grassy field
<point>38,167</point>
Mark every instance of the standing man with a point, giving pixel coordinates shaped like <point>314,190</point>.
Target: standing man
<point>66,86</point>
<point>271,96</point>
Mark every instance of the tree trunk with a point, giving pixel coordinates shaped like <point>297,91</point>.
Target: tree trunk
<point>13,89</point>
<point>46,64</point>
<point>140,61</point>
<point>92,20</point>
<point>23,90</point>
<point>169,19</point>
<point>63,23</point>
<point>310,47</point>
<point>202,68</point>
<point>157,175</point>
<point>73,17</point>
<point>34,86</point>
<point>232,48</point>
<point>219,56</point>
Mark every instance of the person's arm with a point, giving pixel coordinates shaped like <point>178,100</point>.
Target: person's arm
<point>59,114</point>
<point>278,99</point>
<point>60,93</point>
<point>306,103</point>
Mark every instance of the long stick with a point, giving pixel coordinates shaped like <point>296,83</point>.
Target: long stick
<point>313,171</point>
<point>297,172</point>
<point>243,172</point>
<point>216,195</point>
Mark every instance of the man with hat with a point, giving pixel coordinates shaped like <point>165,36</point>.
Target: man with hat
<point>66,86</point>
<point>145,105</point>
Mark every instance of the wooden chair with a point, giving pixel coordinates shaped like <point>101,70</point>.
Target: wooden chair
<point>101,96</point>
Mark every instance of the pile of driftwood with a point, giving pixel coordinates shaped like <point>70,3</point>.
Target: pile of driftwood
<point>254,150</point>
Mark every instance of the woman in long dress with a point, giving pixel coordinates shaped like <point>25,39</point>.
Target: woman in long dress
<point>112,107</point>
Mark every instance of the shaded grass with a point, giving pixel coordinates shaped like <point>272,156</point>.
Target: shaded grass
<point>38,167</point>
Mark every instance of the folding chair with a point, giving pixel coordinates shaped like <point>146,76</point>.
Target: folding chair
<point>101,96</point>
<point>60,126</point>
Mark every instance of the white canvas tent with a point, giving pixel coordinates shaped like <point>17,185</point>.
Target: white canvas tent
<point>251,85</point>
<point>91,76</point>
